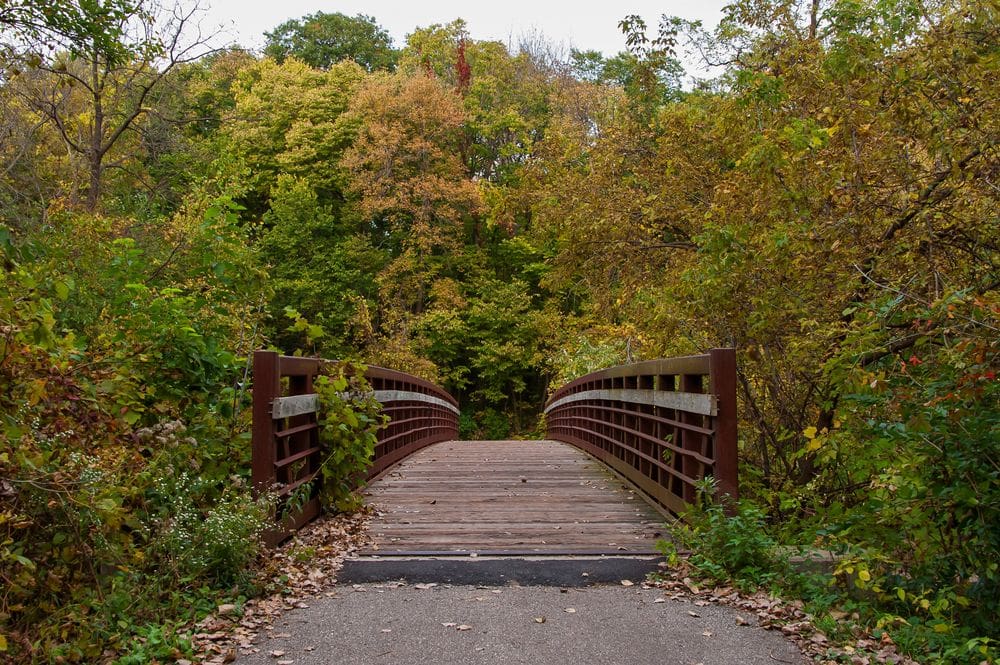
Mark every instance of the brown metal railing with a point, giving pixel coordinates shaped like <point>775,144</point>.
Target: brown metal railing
<point>663,424</point>
<point>285,438</point>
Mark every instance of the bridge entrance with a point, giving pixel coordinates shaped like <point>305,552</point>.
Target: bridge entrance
<point>661,424</point>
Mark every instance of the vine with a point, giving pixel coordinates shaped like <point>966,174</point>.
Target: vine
<point>350,418</point>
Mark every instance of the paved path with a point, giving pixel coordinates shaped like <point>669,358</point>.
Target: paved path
<point>613,625</point>
<point>523,497</point>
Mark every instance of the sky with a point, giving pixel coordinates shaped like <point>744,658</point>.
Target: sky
<point>580,25</point>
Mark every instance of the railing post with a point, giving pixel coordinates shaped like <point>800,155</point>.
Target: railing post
<point>266,387</point>
<point>722,378</point>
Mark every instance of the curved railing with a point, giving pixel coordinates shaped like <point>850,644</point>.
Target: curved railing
<point>285,438</point>
<point>663,424</point>
<point>420,413</point>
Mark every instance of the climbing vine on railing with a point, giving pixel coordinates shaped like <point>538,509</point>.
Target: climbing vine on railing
<point>349,418</point>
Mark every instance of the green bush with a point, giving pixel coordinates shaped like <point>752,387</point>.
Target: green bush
<point>727,542</point>
<point>214,544</point>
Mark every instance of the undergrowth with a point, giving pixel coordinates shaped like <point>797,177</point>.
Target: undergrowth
<point>855,595</point>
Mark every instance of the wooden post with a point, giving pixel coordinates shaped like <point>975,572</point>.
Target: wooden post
<point>266,387</point>
<point>722,378</point>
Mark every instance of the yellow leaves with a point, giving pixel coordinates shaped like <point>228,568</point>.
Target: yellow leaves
<point>36,391</point>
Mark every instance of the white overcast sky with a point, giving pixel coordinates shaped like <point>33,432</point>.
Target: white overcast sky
<point>578,24</point>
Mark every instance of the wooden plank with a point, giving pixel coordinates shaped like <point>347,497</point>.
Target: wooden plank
<point>296,405</point>
<point>384,396</point>
<point>517,496</point>
<point>700,403</point>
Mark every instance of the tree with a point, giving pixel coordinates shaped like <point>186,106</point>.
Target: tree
<point>96,90</point>
<point>291,119</point>
<point>405,163</point>
<point>321,40</point>
<point>40,25</point>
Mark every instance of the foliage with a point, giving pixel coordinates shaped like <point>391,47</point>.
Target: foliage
<point>726,542</point>
<point>928,524</point>
<point>321,40</point>
<point>41,24</point>
<point>316,267</point>
<point>95,93</point>
<point>349,423</point>
<point>499,220</point>
<point>93,516</point>
<point>305,133</point>
<point>404,165</point>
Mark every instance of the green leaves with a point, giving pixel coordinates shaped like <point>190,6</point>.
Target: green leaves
<point>350,419</point>
<point>324,39</point>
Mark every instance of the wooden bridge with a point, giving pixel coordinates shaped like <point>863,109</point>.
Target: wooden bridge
<point>625,446</point>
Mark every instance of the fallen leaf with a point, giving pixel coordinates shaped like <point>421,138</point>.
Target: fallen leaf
<point>707,633</point>
<point>740,621</point>
<point>428,585</point>
<point>694,614</point>
<point>450,624</point>
<point>570,610</point>
<point>628,583</point>
<point>660,600</point>
<point>463,627</point>
<point>277,654</point>
<point>539,619</point>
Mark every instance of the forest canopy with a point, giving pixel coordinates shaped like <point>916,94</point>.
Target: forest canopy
<point>498,218</point>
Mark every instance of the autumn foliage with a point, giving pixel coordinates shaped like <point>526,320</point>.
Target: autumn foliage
<point>501,219</point>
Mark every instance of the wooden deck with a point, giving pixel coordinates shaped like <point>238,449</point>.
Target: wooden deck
<point>508,497</point>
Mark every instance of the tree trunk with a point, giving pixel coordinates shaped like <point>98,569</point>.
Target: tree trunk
<point>94,191</point>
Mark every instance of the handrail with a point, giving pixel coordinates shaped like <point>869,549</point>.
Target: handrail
<point>663,424</point>
<point>285,436</point>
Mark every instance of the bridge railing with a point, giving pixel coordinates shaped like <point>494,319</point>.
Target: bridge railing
<point>285,438</point>
<point>663,424</point>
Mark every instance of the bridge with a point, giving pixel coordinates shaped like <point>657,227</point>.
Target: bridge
<point>625,446</point>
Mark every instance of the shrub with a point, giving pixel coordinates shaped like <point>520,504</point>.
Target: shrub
<point>727,544</point>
